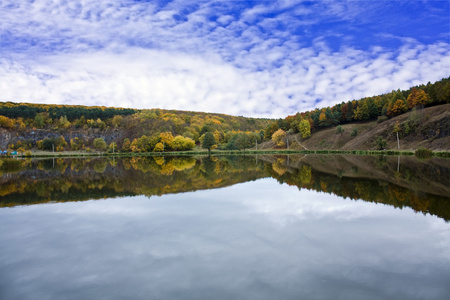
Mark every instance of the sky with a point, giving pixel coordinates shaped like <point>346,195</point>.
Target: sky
<point>247,58</point>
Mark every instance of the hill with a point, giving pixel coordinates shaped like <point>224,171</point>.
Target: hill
<point>428,128</point>
<point>420,115</point>
<point>25,126</point>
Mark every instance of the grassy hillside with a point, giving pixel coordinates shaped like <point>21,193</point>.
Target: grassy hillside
<point>427,128</point>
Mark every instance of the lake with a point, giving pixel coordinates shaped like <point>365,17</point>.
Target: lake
<point>242,227</point>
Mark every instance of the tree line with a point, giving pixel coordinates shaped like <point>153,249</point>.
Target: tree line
<point>71,112</point>
<point>379,107</point>
<point>145,130</point>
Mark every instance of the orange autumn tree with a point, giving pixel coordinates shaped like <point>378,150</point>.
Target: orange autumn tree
<point>397,108</point>
<point>417,97</point>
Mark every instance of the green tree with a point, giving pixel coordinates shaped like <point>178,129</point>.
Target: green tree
<point>242,141</point>
<point>99,144</point>
<point>270,130</point>
<point>64,122</point>
<point>48,144</point>
<point>208,141</point>
<point>117,120</point>
<point>39,121</point>
<point>381,143</point>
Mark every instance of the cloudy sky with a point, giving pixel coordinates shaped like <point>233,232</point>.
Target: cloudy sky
<point>250,58</point>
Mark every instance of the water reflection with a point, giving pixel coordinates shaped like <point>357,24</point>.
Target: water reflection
<point>419,184</point>
<point>257,240</point>
<point>253,238</point>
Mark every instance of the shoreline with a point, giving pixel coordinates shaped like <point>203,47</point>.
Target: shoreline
<point>442,154</point>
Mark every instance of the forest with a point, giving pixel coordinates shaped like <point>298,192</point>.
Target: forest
<point>26,126</point>
<point>76,128</point>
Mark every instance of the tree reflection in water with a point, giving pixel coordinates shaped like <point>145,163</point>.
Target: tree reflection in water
<point>409,182</point>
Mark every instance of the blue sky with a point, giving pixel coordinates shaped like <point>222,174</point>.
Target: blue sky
<point>250,58</point>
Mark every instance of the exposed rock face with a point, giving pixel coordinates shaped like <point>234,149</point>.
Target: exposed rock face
<point>33,135</point>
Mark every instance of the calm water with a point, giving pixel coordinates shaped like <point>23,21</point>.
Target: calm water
<point>252,237</point>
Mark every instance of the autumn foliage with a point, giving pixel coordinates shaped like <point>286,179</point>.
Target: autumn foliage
<point>369,108</point>
<point>279,137</point>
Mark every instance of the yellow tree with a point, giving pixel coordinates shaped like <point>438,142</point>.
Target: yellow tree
<point>278,137</point>
<point>181,143</point>
<point>126,145</point>
<point>322,118</point>
<point>159,147</point>
<point>6,122</point>
<point>166,139</point>
<point>305,128</point>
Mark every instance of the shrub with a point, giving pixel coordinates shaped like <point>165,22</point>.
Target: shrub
<point>76,144</point>
<point>423,153</point>
<point>412,122</point>
<point>100,144</point>
<point>354,132</point>
<point>381,119</point>
<point>381,143</point>
<point>339,129</point>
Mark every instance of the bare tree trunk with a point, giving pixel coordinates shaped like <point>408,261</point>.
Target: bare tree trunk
<point>398,142</point>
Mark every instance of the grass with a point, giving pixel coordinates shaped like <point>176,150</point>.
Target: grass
<point>443,154</point>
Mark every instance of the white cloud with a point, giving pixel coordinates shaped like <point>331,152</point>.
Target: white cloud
<point>152,78</point>
<point>199,57</point>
